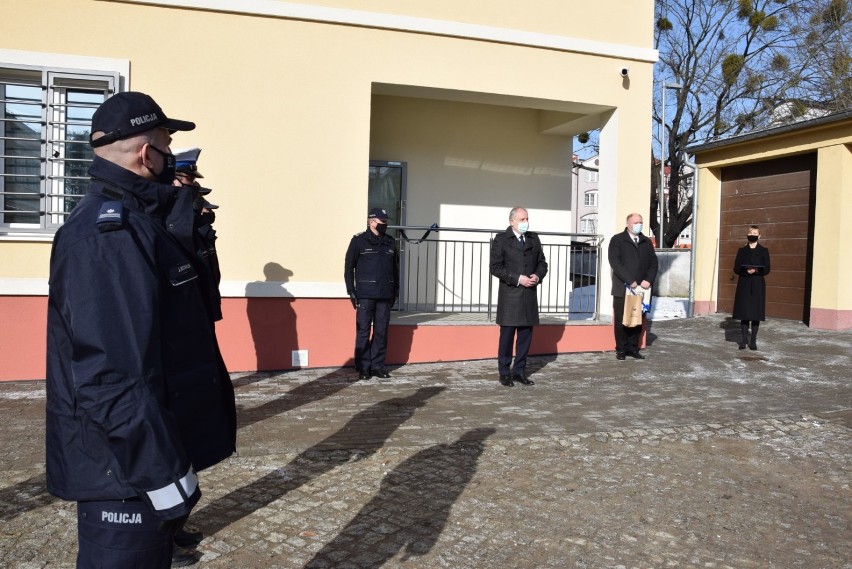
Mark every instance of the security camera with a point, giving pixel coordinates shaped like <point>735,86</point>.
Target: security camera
<point>625,71</point>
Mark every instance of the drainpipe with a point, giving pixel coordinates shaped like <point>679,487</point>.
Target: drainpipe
<point>690,309</point>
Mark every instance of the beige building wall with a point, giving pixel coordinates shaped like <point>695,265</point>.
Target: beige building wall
<point>833,253</point>
<point>284,106</point>
<point>470,163</point>
<point>554,17</point>
<point>706,240</point>
<point>292,99</point>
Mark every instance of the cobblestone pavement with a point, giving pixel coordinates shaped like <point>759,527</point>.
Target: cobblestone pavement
<point>699,456</point>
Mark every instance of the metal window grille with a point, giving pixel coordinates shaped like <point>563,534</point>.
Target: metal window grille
<point>45,121</point>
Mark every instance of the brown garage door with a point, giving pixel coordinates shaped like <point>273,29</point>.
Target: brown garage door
<point>777,196</point>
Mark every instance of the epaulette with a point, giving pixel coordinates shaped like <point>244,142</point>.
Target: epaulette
<point>111,216</point>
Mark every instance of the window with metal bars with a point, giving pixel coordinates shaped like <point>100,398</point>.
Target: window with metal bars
<point>45,121</point>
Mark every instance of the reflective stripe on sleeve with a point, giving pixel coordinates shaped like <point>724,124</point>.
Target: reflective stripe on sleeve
<point>189,482</point>
<point>170,496</point>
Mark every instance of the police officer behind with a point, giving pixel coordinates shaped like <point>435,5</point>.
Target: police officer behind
<point>634,264</point>
<point>209,276</point>
<point>138,399</point>
<point>204,239</point>
<point>371,273</point>
<point>517,260</point>
<point>188,174</point>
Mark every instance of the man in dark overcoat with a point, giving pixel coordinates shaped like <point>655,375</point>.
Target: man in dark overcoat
<point>634,264</point>
<point>518,261</point>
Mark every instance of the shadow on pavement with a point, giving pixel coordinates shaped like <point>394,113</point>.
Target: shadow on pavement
<point>539,362</point>
<point>309,392</point>
<point>418,494</point>
<point>650,337</point>
<point>731,328</point>
<point>374,425</point>
<point>24,496</point>
<point>32,493</point>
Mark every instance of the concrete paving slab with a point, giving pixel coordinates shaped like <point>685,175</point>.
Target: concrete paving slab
<point>702,455</point>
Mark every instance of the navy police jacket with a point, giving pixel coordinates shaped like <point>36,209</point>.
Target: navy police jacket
<point>138,397</point>
<point>371,268</point>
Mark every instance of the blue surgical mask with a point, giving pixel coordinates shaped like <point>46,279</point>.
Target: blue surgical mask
<point>637,228</point>
<point>523,227</point>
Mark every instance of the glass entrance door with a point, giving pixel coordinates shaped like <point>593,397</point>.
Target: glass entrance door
<point>387,190</point>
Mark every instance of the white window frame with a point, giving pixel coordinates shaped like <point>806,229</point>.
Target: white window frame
<point>55,75</point>
<point>592,176</point>
<point>589,224</point>
<point>590,198</point>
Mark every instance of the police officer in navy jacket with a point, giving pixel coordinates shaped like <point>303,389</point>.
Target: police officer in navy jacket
<point>138,397</point>
<point>371,274</point>
<point>186,177</point>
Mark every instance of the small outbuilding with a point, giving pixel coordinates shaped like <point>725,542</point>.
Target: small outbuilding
<point>795,183</point>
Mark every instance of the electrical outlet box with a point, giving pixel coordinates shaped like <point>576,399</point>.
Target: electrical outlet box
<point>300,358</point>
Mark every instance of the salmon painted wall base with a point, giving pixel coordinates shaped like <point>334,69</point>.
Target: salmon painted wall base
<point>262,333</point>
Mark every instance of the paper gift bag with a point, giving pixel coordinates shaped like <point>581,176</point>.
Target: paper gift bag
<point>632,310</point>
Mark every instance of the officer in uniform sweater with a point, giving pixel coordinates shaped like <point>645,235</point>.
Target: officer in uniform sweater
<point>371,274</point>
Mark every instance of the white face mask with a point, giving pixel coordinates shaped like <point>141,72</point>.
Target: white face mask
<point>637,228</point>
<point>523,227</point>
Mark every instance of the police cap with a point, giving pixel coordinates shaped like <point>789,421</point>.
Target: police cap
<point>127,114</point>
<point>378,213</point>
<point>186,161</point>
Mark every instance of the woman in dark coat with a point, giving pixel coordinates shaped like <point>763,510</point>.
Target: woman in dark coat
<point>752,264</point>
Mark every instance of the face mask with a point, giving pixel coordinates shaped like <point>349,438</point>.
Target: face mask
<point>753,238</point>
<point>208,217</point>
<point>167,174</point>
<point>198,204</point>
<point>637,228</point>
<point>523,227</point>
<point>382,228</point>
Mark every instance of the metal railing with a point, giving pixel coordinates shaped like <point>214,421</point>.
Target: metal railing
<point>447,270</point>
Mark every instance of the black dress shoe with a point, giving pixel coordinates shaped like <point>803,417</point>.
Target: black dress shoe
<point>506,380</point>
<point>523,380</point>
<point>363,374</point>
<point>741,346</point>
<point>382,374</point>
<point>188,537</point>
<point>619,355</point>
<point>752,346</point>
<point>183,557</point>
<point>636,355</point>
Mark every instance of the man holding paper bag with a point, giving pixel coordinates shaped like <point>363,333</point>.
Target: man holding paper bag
<point>634,268</point>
